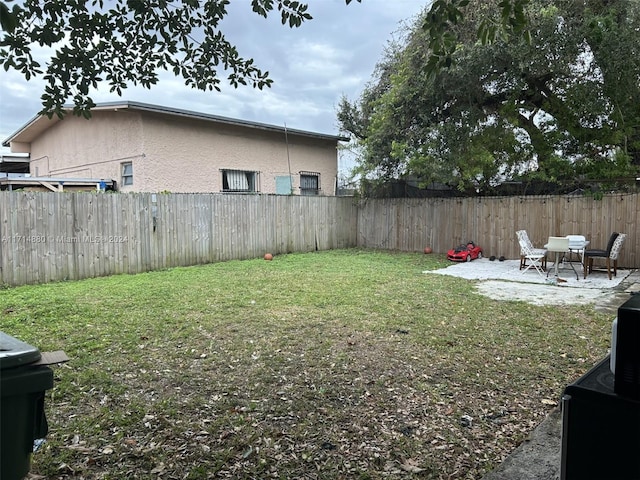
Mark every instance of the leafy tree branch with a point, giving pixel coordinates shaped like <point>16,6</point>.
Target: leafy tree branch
<point>562,105</point>
<point>127,42</point>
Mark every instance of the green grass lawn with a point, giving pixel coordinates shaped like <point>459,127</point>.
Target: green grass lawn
<point>341,364</point>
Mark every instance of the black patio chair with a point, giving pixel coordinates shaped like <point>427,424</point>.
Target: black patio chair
<point>590,254</point>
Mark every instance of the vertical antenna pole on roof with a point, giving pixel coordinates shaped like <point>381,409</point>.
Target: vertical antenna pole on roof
<point>286,140</point>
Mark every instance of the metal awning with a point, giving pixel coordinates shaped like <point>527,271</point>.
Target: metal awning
<point>55,184</point>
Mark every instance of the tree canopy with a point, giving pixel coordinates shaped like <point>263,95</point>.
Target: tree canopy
<point>127,42</point>
<point>557,98</point>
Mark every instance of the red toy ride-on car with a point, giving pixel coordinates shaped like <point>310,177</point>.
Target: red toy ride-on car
<point>465,253</point>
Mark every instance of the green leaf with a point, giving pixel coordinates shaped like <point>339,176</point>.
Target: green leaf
<point>9,18</point>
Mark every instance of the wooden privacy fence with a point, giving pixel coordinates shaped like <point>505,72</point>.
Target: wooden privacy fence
<point>48,236</point>
<point>442,223</point>
<point>59,236</point>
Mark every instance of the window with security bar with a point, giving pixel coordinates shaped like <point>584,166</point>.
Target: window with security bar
<point>309,183</point>
<point>239,181</point>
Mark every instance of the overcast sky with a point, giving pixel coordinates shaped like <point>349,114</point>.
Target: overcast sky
<point>312,67</point>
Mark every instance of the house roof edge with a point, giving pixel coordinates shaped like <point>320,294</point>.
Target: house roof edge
<point>133,105</point>
<point>140,106</point>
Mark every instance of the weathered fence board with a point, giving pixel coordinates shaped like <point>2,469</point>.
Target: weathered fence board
<point>49,236</point>
<point>492,222</point>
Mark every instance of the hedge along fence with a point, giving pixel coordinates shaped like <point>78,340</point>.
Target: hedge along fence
<point>492,222</point>
<point>47,236</point>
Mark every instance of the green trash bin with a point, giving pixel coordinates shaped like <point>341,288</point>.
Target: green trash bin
<point>22,418</point>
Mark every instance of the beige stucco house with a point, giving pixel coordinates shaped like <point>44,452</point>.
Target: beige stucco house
<point>149,148</point>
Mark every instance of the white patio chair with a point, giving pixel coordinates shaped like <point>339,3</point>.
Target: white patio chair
<point>577,240</point>
<point>523,238</point>
<point>535,257</point>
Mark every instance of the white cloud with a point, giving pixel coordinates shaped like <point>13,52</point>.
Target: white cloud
<point>312,67</point>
